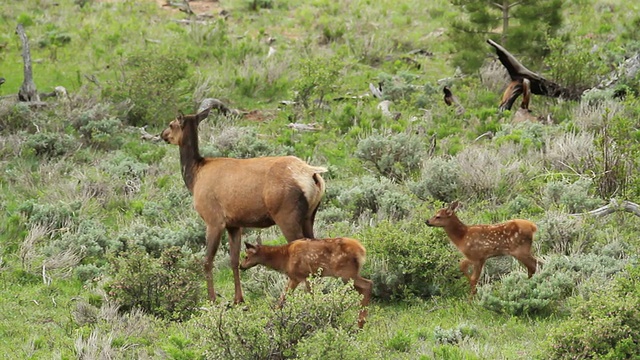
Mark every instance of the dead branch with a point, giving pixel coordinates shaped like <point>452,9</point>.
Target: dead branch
<point>146,136</point>
<point>305,127</point>
<point>611,207</point>
<point>211,103</point>
<point>28,90</point>
<point>539,85</point>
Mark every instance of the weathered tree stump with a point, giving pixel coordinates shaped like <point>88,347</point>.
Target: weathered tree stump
<point>28,90</point>
<point>538,84</point>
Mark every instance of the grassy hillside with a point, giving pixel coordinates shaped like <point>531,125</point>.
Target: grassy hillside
<point>100,247</point>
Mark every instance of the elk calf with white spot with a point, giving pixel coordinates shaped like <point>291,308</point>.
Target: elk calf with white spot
<point>480,242</point>
<point>340,257</point>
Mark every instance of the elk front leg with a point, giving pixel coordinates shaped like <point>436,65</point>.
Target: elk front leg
<point>213,241</point>
<point>234,252</point>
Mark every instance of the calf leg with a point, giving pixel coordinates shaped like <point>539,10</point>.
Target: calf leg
<point>530,262</point>
<point>363,286</point>
<point>464,267</point>
<point>291,285</point>
<point>477,269</point>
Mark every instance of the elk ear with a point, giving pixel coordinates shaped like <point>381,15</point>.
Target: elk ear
<point>180,118</point>
<point>454,205</point>
<point>249,246</point>
<point>202,115</point>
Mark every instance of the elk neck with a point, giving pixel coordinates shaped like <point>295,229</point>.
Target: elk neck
<point>275,257</point>
<point>190,158</point>
<point>456,229</point>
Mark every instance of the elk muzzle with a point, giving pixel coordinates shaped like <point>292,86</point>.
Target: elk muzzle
<point>165,135</point>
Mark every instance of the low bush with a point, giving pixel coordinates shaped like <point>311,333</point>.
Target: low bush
<point>103,134</point>
<point>395,156</point>
<point>375,196</point>
<point>168,286</point>
<point>574,197</point>
<point>49,144</point>
<point>303,325</point>
<point>548,289</point>
<point>439,180</point>
<point>408,259</point>
<point>454,335</point>
<point>604,326</point>
<point>149,80</point>
<point>244,143</point>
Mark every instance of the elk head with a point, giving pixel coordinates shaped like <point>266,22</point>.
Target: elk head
<point>252,258</point>
<point>173,134</point>
<point>443,216</point>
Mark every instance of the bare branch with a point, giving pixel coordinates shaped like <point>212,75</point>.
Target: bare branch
<point>611,207</point>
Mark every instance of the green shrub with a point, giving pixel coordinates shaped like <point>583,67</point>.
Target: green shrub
<point>439,180</point>
<point>265,333</point>
<point>574,197</point>
<point>375,196</point>
<point>398,87</point>
<point>333,343</point>
<point>103,134</point>
<point>89,238</point>
<point>604,326</point>
<point>244,143</point>
<point>395,156</point>
<point>150,80</point>
<point>401,341</point>
<point>452,352</point>
<point>562,233</point>
<point>155,239</point>
<point>548,289</point>
<point>50,216</point>
<point>408,259</point>
<point>50,145</point>
<point>455,335</point>
<point>168,286</point>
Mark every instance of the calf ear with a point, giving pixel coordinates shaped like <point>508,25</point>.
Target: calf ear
<point>454,205</point>
<point>249,246</point>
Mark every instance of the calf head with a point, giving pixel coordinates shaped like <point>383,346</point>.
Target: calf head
<point>443,216</point>
<point>252,257</point>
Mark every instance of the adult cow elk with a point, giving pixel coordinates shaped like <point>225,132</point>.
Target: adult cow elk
<point>479,242</point>
<point>235,193</point>
<point>338,257</point>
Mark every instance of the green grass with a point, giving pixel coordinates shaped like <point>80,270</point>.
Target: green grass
<point>364,42</point>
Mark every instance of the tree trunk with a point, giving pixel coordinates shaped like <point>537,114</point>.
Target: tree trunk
<point>505,22</point>
<point>28,90</point>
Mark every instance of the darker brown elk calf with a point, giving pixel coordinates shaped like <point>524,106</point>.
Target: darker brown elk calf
<point>235,193</point>
<point>340,257</point>
<point>480,242</point>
